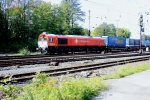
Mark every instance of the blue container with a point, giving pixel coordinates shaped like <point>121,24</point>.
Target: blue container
<point>147,43</point>
<point>143,42</point>
<point>136,42</point>
<point>129,42</point>
<point>115,42</point>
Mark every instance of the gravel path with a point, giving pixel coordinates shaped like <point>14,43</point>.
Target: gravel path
<point>134,87</point>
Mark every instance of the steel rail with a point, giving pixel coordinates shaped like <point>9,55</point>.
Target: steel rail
<point>74,69</point>
<point>46,55</point>
<point>43,60</point>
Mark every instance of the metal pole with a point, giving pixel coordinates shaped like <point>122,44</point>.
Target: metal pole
<point>140,41</point>
<point>89,34</point>
<point>141,28</point>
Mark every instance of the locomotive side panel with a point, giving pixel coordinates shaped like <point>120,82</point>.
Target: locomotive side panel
<point>93,42</point>
<point>52,40</point>
<point>85,41</point>
<point>77,41</point>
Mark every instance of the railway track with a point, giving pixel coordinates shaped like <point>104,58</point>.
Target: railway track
<point>22,57</point>
<point>6,57</point>
<point>29,60</point>
<point>54,55</point>
<point>74,69</point>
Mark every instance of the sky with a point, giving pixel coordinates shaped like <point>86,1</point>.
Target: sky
<point>121,13</point>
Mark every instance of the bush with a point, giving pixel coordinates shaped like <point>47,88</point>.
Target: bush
<point>43,88</point>
<point>24,51</point>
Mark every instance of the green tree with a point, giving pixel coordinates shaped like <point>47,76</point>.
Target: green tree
<point>17,14</point>
<point>85,31</point>
<point>58,19</point>
<point>4,33</point>
<point>78,30</point>
<point>23,20</point>
<point>42,17</point>
<point>72,14</point>
<point>123,32</point>
<point>48,18</point>
<point>104,30</point>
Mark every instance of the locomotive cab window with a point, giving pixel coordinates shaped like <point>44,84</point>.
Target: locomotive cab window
<point>62,41</point>
<point>42,39</point>
<point>50,40</point>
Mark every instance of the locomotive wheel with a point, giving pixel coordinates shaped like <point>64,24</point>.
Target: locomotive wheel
<point>87,50</point>
<point>140,51</point>
<point>43,51</point>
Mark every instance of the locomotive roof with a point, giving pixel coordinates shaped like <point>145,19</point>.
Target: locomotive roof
<point>76,36</point>
<point>69,35</point>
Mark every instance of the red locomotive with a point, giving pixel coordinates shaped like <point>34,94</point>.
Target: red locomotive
<point>69,43</point>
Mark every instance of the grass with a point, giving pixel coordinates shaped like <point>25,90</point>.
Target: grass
<point>127,70</point>
<point>46,88</point>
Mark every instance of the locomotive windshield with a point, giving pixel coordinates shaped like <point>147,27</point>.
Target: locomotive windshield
<point>42,39</point>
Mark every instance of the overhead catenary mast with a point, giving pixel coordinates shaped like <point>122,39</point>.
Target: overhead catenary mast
<point>89,34</point>
<point>141,30</point>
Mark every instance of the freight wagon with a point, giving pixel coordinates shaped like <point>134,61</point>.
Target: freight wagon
<point>114,43</point>
<point>147,45</point>
<point>130,44</point>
